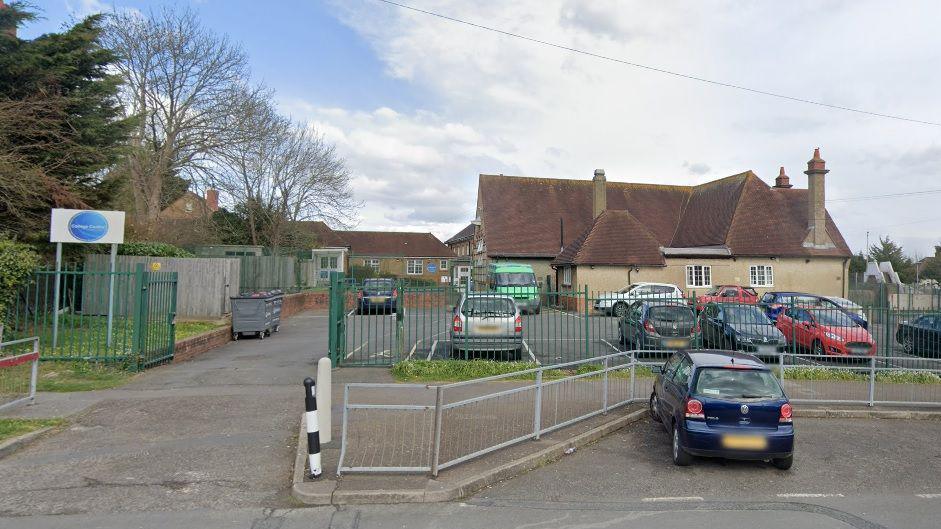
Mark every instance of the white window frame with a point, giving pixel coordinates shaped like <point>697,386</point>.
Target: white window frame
<point>372,263</point>
<point>767,276</point>
<point>443,264</point>
<point>411,265</point>
<point>704,279</point>
<point>567,276</point>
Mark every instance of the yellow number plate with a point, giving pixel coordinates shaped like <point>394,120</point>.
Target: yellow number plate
<point>488,329</point>
<point>676,343</point>
<point>744,442</point>
<point>378,299</point>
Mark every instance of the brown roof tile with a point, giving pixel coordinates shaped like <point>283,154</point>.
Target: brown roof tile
<point>395,244</point>
<point>462,235</point>
<point>521,218</point>
<point>326,237</point>
<point>615,238</point>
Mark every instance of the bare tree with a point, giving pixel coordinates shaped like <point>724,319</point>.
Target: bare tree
<point>179,80</point>
<point>279,172</point>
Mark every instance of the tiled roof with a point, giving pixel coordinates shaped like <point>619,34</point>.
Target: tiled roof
<point>462,235</point>
<point>521,217</point>
<point>394,244</point>
<point>326,237</point>
<point>615,238</point>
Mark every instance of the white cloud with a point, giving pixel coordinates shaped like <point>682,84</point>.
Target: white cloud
<point>505,105</point>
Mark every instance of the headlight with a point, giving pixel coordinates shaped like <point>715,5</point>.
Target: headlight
<point>832,336</point>
<point>745,339</point>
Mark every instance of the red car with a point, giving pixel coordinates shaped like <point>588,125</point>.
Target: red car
<point>825,332</point>
<point>727,294</point>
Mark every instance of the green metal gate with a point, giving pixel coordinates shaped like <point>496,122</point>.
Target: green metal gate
<point>140,332</point>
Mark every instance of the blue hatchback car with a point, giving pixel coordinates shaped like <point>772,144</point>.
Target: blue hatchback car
<point>723,404</point>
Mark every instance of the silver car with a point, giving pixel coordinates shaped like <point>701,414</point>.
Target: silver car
<point>485,323</point>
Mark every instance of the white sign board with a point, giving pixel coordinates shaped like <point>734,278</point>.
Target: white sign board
<point>87,226</point>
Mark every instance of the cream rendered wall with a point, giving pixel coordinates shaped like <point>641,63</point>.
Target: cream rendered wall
<point>821,275</point>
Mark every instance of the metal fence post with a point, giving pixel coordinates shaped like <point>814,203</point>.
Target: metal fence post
<point>139,343</point>
<point>781,367</point>
<point>34,372</point>
<point>436,450</point>
<point>633,375</point>
<point>537,414</point>
<point>343,439</point>
<point>587,326</point>
<point>872,381</point>
<point>604,388</point>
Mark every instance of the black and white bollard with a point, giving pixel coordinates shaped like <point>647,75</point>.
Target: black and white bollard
<point>313,429</point>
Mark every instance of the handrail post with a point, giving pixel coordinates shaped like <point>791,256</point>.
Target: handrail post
<point>346,412</point>
<point>436,450</point>
<point>34,372</point>
<point>633,375</point>
<point>781,367</point>
<point>604,388</point>
<point>537,414</point>
<point>872,381</point>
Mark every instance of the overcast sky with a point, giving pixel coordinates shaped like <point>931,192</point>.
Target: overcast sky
<point>420,106</point>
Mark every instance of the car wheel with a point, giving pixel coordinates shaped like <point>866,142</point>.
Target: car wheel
<point>783,463</point>
<point>817,347</point>
<point>652,408</point>
<point>620,310</point>
<point>235,336</point>
<point>908,346</point>
<point>681,458</point>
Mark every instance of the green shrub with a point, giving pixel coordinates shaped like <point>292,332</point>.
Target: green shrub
<point>458,370</point>
<point>17,263</point>
<point>153,249</point>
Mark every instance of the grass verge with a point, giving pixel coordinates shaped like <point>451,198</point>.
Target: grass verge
<point>10,428</point>
<point>459,370</point>
<point>80,376</point>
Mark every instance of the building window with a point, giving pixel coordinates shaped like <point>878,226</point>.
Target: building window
<point>567,276</point>
<point>480,245</point>
<point>698,276</point>
<point>414,267</point>
<point>372,263</point>
<point>333,263</point>
<point>443,264</point>
<point>323,262</point>
<point>761,275</point>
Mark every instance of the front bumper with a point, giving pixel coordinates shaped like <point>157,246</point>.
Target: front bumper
<point>761,348</point>
<point>848,349</point>
<point>700,439</point>
<point>486,343</point>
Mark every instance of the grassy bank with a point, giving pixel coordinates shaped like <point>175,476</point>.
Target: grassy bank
<point>458,370</point>
<point>80,376</point>
<point>10,428</point>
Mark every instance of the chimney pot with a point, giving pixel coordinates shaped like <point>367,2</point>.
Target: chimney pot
<point>599,194</point>
<point>816,172</point>
<point>782,181</point>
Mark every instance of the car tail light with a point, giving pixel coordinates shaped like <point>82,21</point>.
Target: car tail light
<point>518,323</point>
<point>395,292</point>
<point>458,324</point>
<point>650,328</point>
<point>786,412</point>
<point>359,295</point>
<point>694,409</point>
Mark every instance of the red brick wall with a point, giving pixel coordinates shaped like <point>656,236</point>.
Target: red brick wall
<point>207,341</point>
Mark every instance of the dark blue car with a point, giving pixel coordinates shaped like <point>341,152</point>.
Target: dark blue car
<point>378,296</point>
<point>774,304</point>
<point>723,404</point>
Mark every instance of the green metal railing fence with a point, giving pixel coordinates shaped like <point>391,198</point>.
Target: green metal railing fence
<point>139,332</point>
<point>578,324</point>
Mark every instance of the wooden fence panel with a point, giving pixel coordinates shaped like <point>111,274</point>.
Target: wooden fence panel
<point>204,287</point>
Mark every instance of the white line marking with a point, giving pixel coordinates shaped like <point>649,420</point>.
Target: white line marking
<point>434,344</point>
<point>929,496</point>
<point>350,313</point>
<point>673,498</point>
<point>531,355</point>
<point>611,346</point>
<point>358,348</point>
<point>429,354</point>
<point>410,353</point>
<point>808,495</point>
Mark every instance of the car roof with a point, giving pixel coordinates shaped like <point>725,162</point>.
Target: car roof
<point>790,293</point>
<point>718,358</point>
<point>642,283</point>
<point>488,295</point>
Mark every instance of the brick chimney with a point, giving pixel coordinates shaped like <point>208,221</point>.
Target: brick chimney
<point>10,31</point>
<point>816,203</point>
<point>212,198</point>
<point>782,181</point>
<point>599,194</point>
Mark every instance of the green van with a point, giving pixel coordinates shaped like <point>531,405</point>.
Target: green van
<point>518,281</point>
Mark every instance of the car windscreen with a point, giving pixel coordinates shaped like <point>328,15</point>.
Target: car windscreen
<point>726,383</point>
<point>514,279</point>
<point>833,318</point>
<point>750,291</point>
<point>713,292</point>
<point>750,315</point>
<point>378,284</point>
<point>767,298</point>
<point>488,307</point>
<point>671,314</point>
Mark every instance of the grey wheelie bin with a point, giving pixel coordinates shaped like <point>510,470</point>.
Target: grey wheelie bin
<point>257,313</point>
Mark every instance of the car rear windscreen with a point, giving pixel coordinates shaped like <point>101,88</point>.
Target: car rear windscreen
<point>749,314</point>
<point>672,314</point>
<point>726,383</point>
<point>515,279</point>
<point>488,307</point>
<point>378,284</point>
